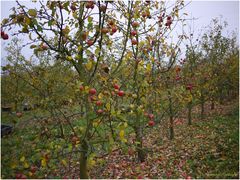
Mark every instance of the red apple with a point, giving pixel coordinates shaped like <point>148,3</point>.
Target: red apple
<point>99,103</point>
<point>178,78</point>
<point>81,87</point>
<point>111,22</point>
<point>73,8</point>
<point>144,14</point>
<point>135,24</point>
<point>151,123</point>
<point>133,33</point>
<point>146,114</point>
<point>120,93</point>
<point>90,42</point>
<point>130,152</point>
<point>102,8</point>
<point>104,30</point>
<point>116,86</point>
<point>178,69</point>
<point>113,93</point>
<point>99,111</point>
<point>189,87</point>
<point>90,4</point>
<point>83,35</point>
<point>5,36</point>
<point>114,29</point>
<point>93,98</point>
<point>169,22</point>
<point>2,33</point>
<point>92,91</point>
<point>20,176</point>
<point>44,47</point>
<point>19,114</point>
<point>134,41</point>
<point>151,116</point>
<point>33,169</point>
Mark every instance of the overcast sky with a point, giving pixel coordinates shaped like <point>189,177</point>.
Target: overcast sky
<point>204,11</point>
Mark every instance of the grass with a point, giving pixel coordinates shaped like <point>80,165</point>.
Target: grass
<point>212,148</point>
<point>221,148</point>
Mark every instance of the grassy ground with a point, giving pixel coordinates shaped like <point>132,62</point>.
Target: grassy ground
<point>207,149</point>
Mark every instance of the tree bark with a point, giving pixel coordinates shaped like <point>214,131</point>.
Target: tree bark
<point>140,151</point>
<point>83,162</point>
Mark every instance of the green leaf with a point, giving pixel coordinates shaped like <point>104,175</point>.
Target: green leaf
<point>50,22</point>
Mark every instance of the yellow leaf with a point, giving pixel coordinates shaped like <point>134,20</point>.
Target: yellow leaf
<point>129,55</point>
<point>176,13</point>
<point>121,134</point>
<point>134,96</point>
<point>98,121</point>
<point>64,162</point>
<point>79,48</point>
<point>100,96</point>
<point>152,59</point>
<point>148,68</point>
<point>27,21</point>
<point>30,174</point>
<point>69,58</point>
<point>4,21</point>
<point>91,162</point>
<point>32,12</point>
<point>26,165</point>
<point>13,165</point>
<point>66,30</point>
<point>44,162</point>
<point>141,43</point>
<point>115,81</point>
<point>22,159</point>
<point>89,65</point>
<point>75,15</point>
<point>131,106</point>
<point>108,106</point>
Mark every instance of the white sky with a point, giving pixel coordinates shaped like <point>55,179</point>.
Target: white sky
<point>205,11</point>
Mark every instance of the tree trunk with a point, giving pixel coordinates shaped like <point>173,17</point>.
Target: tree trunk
<point>140,151</point>
<point>190,113</point>
<point>83,162</point>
